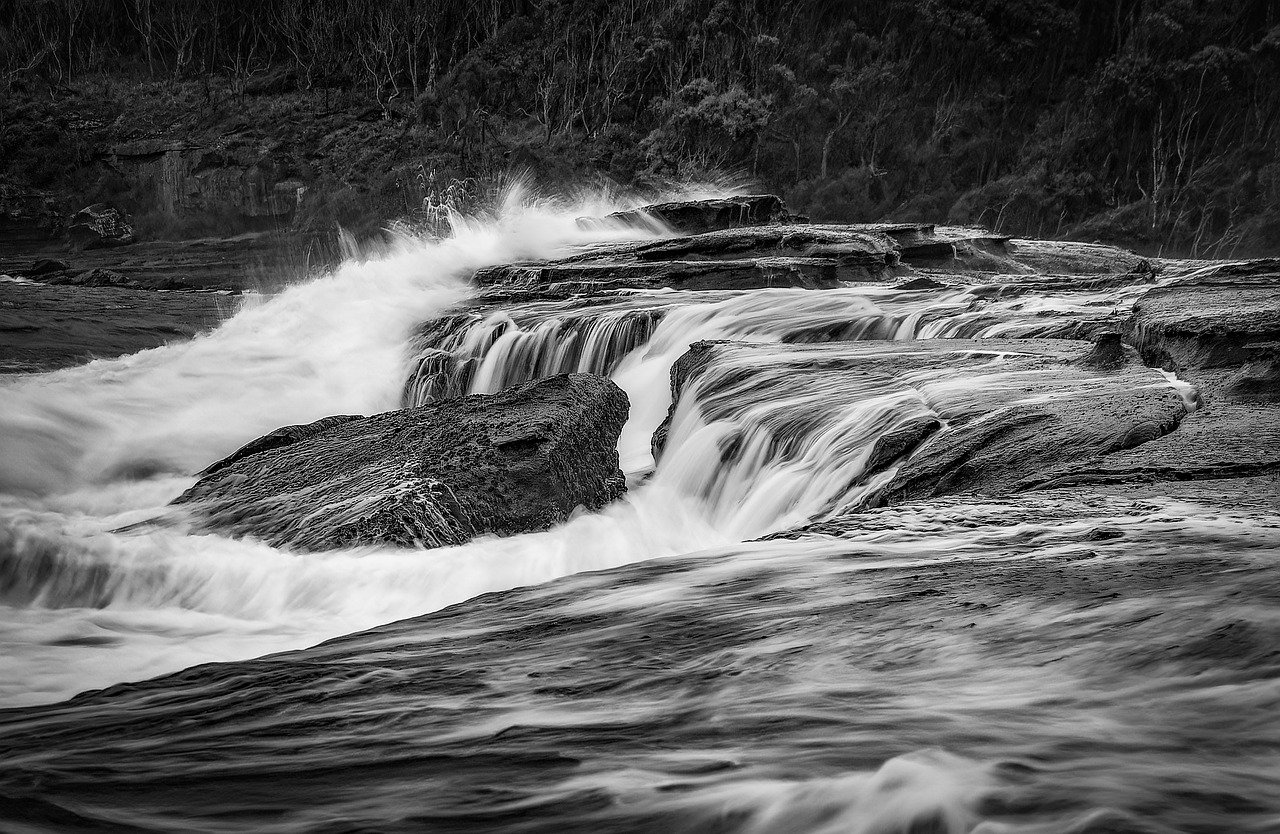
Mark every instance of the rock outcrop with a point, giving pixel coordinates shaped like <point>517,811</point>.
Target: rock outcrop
<point>696,216</point>
<point>957,415</point>
<point>99,226</point>
<point>1218,327</point>
<point>437,475</point>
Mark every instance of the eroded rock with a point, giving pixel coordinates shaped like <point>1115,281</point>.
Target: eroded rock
<point>1218,326</point>
<point>952,415</point>
<point>436,475</point>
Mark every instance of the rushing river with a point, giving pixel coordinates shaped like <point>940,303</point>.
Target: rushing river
<point>1067,662</point>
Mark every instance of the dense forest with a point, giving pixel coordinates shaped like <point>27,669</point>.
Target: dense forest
<point>1154,123</point>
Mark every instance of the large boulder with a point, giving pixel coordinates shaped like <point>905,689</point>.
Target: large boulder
<point>436,475</point>
<point>99,226</point>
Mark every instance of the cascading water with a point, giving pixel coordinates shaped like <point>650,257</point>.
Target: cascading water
<point>93,449</point>
<point>1049,643</point>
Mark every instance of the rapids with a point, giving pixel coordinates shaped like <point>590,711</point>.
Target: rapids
<point>1035,664</point>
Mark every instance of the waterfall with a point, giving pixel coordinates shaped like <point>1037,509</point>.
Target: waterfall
<point>89,451</point>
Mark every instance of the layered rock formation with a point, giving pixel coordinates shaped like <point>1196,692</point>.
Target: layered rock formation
<point>437,475</point>
<point>936,417</point>
<point>694,216</point>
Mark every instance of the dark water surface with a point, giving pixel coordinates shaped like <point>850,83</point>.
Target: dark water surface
<point>45,327</point>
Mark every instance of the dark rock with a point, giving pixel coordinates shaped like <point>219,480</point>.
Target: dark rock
<point>101,277</point>
<point>99,226</point>
<point>1109,353</point>
<point>921,284</point>
<point>279,438</point>
<point>27,216</point>
<point>901,442</point>
<point>691,364</point>
<point>46,266</point>
<point>747,258</point>
<point>697,216</point>
<point>759,273</point>
<point>431,476</point>
<point>867,246</point>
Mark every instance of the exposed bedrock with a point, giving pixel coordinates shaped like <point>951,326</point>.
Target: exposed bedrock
<point>694,216</point>
<point>767,253</point>
<point>915,420</point>
<point>1069,257</point>
<point>436,475</point>
<point>1224,440</point>
<point>744,274</point>
<point>1219,327</point>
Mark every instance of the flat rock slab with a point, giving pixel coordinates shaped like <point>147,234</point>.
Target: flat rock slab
<point>694,216</point>
<point>887,422</point>
<point>1073,258</point>
<point>431,476</point>
<point>752,274</point>
<point>1224,440</point>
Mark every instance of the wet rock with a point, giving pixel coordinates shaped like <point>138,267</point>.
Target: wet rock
<point>812,257</point>
<point>46,266</point>
<point>1222,319</point>
<point>921,284</point>
<point>1073,258</point>
<point>436,475</point>
<point>279,438</point>
<point>696,216</point>
<point>1109,352</point>
<point>759,273</point>
<point>1225,440</point>
<point>1009,409</point>
<point>901,442</point>
<point>868,246</point>
<point>99,226</point>
<point>101,277</point>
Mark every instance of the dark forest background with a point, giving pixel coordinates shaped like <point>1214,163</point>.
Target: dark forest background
<point>1152,123</point>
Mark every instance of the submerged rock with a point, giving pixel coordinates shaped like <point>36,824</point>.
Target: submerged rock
<point>436,475</point>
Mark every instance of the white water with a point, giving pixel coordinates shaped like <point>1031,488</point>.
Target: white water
<point>88,450</point>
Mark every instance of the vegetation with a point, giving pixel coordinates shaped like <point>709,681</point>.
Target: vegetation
<point>1151,122</point>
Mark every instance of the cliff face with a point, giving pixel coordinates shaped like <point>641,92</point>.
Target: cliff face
<point>27,216</point>
<point>233,177</point>
<point>192,159</point>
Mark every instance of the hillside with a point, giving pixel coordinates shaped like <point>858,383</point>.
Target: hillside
<point>1149,123</point>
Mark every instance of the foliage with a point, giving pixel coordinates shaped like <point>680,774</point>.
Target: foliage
<point>1152,121</point>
